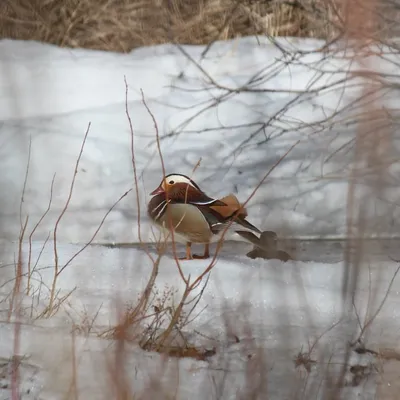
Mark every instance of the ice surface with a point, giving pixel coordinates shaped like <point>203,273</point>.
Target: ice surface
<point>285,305</point>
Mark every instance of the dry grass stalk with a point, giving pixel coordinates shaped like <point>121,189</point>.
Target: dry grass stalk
<point>191,285</point>
<point>129,326</point>
<point>58,269</point>
<point>372,145</point>
<point>121,25</point>
<point>55,300</point>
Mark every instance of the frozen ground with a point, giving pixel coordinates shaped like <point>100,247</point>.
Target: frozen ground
<point>252,311</point>
<point>247,305</point>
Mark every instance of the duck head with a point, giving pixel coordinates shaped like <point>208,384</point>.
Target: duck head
<point>181,188</point>
<point>172,182</point>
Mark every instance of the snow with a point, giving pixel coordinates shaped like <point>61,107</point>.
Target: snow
<point>252,311</point>
<point>51,98</point>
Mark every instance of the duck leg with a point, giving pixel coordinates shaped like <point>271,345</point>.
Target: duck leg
<point>206,253</point>
<point>188,252</point>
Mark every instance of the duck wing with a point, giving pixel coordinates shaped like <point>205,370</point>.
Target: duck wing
<point>233,209</point>
<point>219,217</point>
<point>230,206</point>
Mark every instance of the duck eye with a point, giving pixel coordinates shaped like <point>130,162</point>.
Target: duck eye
<point>171,182</point>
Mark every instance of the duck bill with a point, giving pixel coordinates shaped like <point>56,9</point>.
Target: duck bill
<point>159,190</point>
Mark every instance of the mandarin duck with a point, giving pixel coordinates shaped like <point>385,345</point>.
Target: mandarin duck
<point>194,217</point>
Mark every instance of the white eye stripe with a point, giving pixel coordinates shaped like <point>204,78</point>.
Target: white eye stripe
<point>172,179</point>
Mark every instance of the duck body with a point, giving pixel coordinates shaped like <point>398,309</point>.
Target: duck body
<point>188,222</point>
<point>179,205</point>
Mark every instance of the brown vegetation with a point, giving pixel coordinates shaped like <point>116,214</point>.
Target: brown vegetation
<point>122,25</point>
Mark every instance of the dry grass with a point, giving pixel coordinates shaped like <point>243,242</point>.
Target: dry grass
<point>121,25</point>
